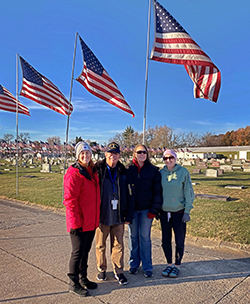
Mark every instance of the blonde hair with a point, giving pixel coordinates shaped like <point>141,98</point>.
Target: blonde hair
<point>135,149</point>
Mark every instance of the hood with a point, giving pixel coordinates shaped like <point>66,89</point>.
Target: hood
<point>176,168</point>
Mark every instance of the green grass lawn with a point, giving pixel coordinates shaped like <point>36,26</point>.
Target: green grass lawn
<point>221,220</point>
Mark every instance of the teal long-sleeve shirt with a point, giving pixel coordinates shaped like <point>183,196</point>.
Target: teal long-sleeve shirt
<point>177,189</point>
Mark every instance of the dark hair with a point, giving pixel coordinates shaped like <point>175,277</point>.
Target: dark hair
<point>134,153</point>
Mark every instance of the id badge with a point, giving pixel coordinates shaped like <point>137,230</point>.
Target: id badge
<point>114,204</point>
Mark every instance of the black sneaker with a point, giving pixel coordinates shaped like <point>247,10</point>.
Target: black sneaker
<point>101,276</point>
<point>79,290</point>
<point>148,274</point>
<point>133,270</point>
<point>85,282</point>
<point>122,280</point>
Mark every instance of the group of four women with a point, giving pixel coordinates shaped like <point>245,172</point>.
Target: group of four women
<point>166,194</point>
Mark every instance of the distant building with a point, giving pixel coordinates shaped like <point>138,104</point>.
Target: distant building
<point>232,152</point>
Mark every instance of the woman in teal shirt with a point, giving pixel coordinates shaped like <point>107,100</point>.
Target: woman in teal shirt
<point>178,197</point>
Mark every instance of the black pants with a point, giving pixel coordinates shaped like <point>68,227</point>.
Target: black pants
<point>81,244</point>
<point>174,223</point>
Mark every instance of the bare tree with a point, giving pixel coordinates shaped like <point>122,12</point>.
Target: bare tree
<point>54,139</point>
<point>24,136</point>
<point>8,137</point>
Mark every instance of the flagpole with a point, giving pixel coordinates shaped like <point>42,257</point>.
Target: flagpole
<point>17,57</point>
<point>146,76</point>
<point>70,94</point>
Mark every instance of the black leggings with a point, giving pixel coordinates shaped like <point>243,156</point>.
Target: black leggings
<point>175,223</point>
<point>81,245</point>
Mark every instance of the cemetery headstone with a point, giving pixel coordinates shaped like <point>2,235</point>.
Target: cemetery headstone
<point>211,173</point>
<point>201,165</point>
<point>234,187</point>
<point>46,168</point>
<point>222,161</point>
<point>236,162</point>
<point>236,168</point>
<point>226,168</point>
<point>220,171</point>
<point>215,164</point>
<point>187,163</point>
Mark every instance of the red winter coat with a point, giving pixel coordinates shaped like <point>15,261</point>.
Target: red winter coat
<point>81,198</point>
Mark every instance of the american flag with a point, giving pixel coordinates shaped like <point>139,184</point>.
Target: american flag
<point>40,89</point>
<point>173,44</point>
<point>98,82</point>
<point>8,102</point>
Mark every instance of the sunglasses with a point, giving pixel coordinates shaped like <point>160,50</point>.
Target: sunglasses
<point>141,152</point>
<point>168,157</point>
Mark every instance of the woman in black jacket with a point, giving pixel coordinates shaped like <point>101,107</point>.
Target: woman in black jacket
<point>146,183</point>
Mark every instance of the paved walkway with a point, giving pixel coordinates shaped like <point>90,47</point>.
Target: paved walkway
<point>34,256</point>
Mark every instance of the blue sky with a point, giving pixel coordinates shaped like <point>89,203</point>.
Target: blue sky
<point>43,33</point>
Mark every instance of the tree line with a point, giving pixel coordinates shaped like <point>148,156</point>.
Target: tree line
<point>160,137</point>
<point>164,136</point>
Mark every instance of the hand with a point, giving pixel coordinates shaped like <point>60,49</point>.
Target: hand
<point>75,231</point>
<point>150,215</point>
<point>185,218</point>
<point>127,223</point>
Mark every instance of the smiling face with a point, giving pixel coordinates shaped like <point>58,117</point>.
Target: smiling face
<point>140,154</point>
<point>169,161</point>
<point>112,158</point>
<point>84,157</point>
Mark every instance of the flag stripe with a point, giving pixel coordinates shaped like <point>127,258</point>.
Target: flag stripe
<point>104,87</point>
<point>40,95</point>
<point>174,45</point>
<point>98,82</point>
<point>102,93</point>
<point>40,89</point>
<point>103,83</point>
<point>8,102</point>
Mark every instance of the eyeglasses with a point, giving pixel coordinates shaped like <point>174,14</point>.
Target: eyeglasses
<point>168,157</point>
<point>141,152</point>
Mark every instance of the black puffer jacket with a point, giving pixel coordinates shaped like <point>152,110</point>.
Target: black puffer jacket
<point>146,185</point>
<point>126,198</point>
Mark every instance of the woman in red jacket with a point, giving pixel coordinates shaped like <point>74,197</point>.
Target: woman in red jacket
<point>82,201</point>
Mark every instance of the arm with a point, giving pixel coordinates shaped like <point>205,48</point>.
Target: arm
<point>130,199</point>
<point>72,188</point>
<point>157,194</point>
<point>188,193</point>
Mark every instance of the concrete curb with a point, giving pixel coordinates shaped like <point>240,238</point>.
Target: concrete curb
<point>198,241</point>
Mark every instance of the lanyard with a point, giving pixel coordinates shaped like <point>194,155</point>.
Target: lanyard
<point>112,179</point>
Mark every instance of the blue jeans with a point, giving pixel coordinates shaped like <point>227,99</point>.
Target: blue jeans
<point>140,242</point>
